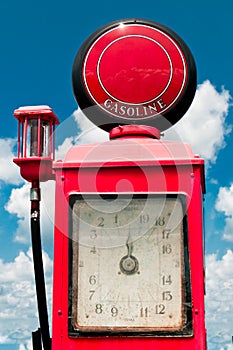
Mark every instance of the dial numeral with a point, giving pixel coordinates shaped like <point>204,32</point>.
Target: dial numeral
<point>167,296</point>
<point>100,220</point>
<point>93,250</point>
<point>144,218</point>
<point>92,292</point>
<point>114,311</point>
<point>144,312</point>
<point>160,309</point>
<point>116,219</point>
<point>167,249</point>
<point>99,309</point>
<point>160,221</point>
<point>92,280</point>
<point>166,233</point>
<point>167,280</point>
<point>93,234</point>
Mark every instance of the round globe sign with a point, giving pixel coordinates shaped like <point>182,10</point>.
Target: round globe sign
<point>134,72</point>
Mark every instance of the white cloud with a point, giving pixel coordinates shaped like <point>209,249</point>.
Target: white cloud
<point>219,301</point>
<point>213,181</point>
<point>26,346</point>
<point>90,133</point>
<point>204,125</point>
<point>9,171</point>
<point>19,205</point>
<point>225,200</point>
<point>63,148</point>
<point>224,203</point>
<point>18,310</point>
<point>78,130</point>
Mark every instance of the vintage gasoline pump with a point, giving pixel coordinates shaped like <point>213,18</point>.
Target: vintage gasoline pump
<point>128,246</point>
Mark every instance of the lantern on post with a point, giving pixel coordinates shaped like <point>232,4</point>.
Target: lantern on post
<point>36,145</point>
<point>36,125</point>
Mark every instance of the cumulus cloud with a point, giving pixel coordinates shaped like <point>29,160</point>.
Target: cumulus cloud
<point>204,125</point>
<point>19,205</point>
<point>9,171</point>
<point>89,132</point>
<point>63,148</point>
<point>77,129</point>
<point>18,312</point>
<point>26,345</point>
<point>219,300</point>
<point>224,204</point>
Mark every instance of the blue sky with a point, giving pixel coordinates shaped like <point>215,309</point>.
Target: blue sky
<point>38,42</point>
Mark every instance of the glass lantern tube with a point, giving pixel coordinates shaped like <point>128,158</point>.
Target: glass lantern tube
<point>36,135</point>
<point>32,138</point>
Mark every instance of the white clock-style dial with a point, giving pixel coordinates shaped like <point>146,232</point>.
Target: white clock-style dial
<point>128,264</point>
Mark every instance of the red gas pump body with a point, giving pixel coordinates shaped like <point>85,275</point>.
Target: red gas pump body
<point>129,164</point>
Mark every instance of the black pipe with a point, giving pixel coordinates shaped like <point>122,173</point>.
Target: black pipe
<point>36,340</point>
<point>38,265</point>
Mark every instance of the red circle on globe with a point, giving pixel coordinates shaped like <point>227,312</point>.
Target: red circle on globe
<point>129,73</point>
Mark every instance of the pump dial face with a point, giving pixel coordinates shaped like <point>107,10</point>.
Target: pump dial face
<point>128,265</point>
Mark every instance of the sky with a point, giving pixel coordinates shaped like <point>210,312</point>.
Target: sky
<point>38,42</point>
